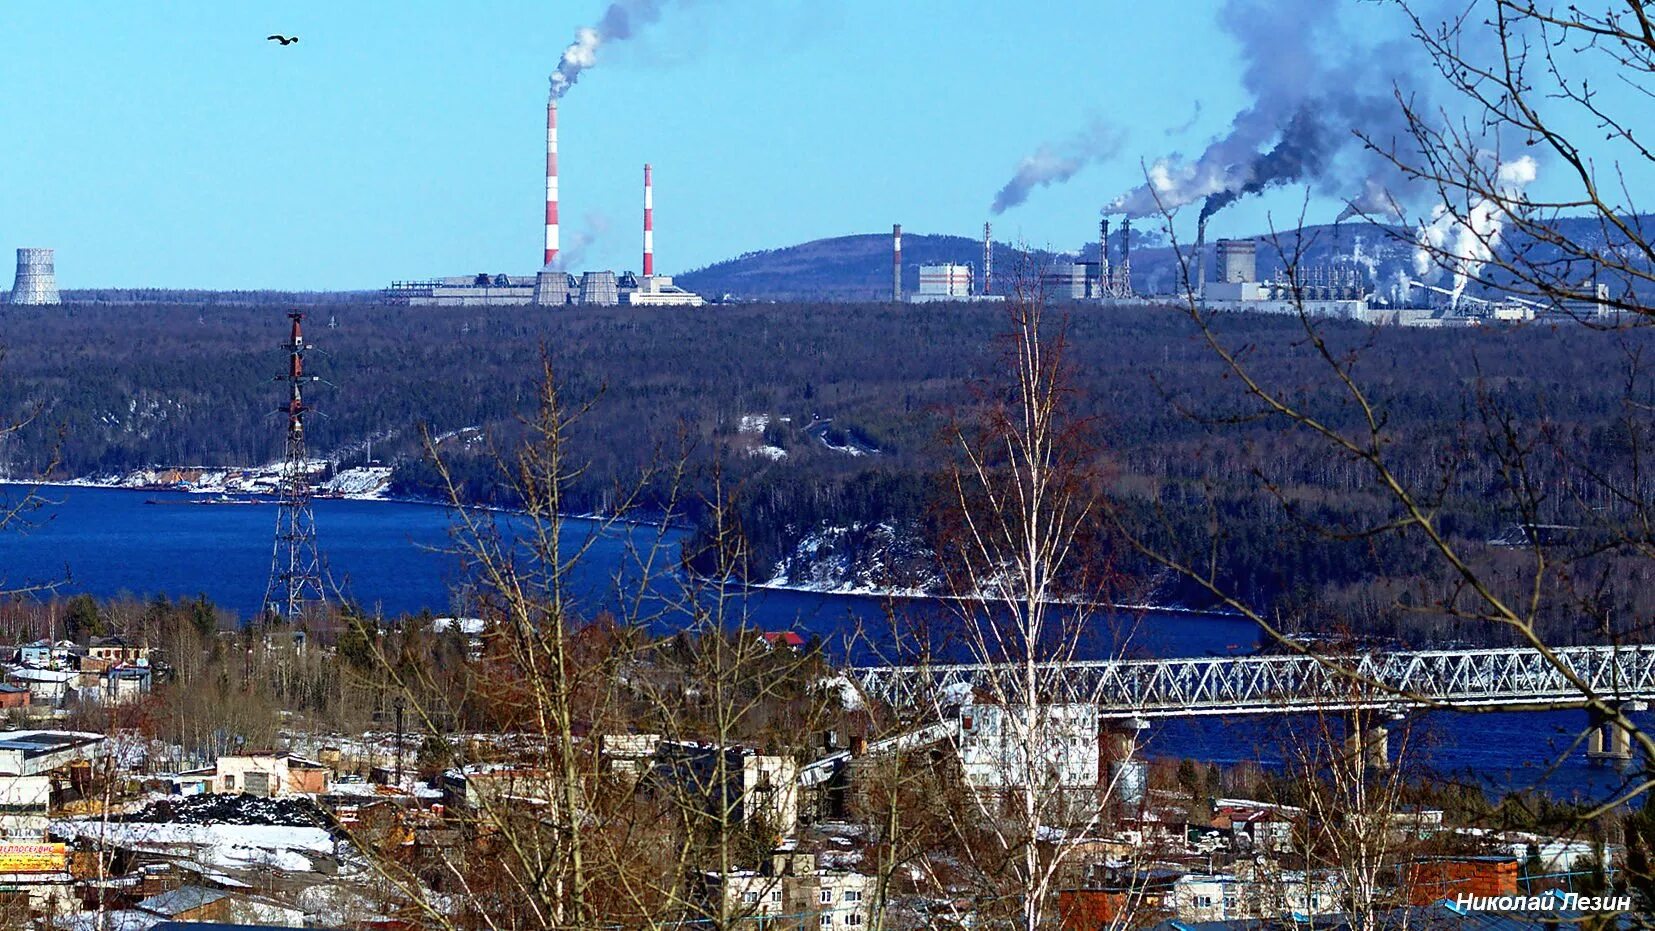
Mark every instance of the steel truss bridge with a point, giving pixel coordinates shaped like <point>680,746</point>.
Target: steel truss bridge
<point>1169,688</point>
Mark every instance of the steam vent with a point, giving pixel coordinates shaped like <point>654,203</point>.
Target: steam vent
<point>36,280</point>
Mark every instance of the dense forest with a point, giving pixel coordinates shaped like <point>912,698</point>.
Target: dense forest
<point>827,424</point>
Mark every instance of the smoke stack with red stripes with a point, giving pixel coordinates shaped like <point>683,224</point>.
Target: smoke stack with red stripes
<point>551,181</point>
<point>649,223</point>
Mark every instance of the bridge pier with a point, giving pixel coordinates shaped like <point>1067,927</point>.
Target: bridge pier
<point>1607,741</point>
<point>1127,772</point>
<point>1366,742</point>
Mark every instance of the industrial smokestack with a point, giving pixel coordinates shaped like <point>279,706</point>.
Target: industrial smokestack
<point>988,259</point>
<point>1124,279</point>
<point>36,281</point>
<point>1201,259</point>
<point>1106,280</point>
<point>649,224</point>
<point>896,263</point>
<point>551,182</point>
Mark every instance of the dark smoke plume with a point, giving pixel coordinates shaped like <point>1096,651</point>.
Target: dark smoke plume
<point>1312,89</point>
<point>1302,152</point>
<point>620,22</point>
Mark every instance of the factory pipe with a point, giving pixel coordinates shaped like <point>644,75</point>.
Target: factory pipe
<point>1106,278</point>
<point>1103,258</point>
<point>649,223</point>
<point>896,263</point>
<point>551,182</point>
<point>1124,279</point>
<point>1201,259</point>
<point>988,260</point>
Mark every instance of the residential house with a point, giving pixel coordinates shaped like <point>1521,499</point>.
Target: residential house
<point>122,685</point>
<point>41,654</point>
<point>116,650</point>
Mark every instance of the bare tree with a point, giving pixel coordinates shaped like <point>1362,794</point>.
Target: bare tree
<point>1027,579</point>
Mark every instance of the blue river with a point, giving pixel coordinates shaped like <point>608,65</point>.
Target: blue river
<point>397,558</point>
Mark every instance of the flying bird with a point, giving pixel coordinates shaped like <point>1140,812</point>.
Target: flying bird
<point>285,40</point>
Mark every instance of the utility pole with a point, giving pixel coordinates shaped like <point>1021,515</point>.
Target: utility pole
<point>295,565</point>
<point>399,740</point>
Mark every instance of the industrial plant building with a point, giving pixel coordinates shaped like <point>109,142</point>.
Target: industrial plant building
<point>1095,281</point>
<point>944,281</point>
<point>1319,292</point>
<point>551,286</point>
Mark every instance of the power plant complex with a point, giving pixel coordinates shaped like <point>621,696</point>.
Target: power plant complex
<point>552,286</point>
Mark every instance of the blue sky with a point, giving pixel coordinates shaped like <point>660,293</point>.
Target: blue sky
<point>169,144</point>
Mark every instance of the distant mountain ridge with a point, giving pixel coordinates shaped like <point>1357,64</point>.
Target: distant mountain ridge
<point>858,267</point>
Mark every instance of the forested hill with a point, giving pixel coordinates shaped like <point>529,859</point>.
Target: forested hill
<point>843,268</point>
<point>858,268</point>
<point>827,421</point>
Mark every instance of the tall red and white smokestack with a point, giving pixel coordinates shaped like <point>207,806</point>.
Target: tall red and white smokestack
<point>649,223</point>
<point>551,181</point>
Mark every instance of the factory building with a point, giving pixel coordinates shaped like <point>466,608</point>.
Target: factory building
<point>948,282</point>
<point>1070,281</point>
<point>1319,292</point>
<point>659,291</point>
<point>463,291</point>
<point>36,281</point>
<point>551,286</point>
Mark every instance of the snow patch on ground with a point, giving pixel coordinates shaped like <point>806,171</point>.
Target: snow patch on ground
<point>224,846</point>
<point>855,559</point>
<point>362,482</point>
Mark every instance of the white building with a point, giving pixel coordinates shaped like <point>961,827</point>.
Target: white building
<point>33,753</point>
<point>269,774</point>
<point>659,291</point>
<point>49,686</point>
<point>1055,746</point>
<point>948,282</point>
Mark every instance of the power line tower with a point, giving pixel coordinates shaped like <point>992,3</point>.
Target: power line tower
<point>295,565</point>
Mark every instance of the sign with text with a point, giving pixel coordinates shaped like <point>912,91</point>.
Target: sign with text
<point>33,858</point>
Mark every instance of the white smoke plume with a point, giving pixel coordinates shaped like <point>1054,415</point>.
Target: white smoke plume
<point>1188,124</point>
<point>1311,87</point>
<point>1054,164</point>
<point>620,22</point>
<point>1464,244</point>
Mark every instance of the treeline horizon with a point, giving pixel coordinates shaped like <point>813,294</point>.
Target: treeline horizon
<point>766,402</point>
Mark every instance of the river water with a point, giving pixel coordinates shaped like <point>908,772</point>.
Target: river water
<point>400,558</point>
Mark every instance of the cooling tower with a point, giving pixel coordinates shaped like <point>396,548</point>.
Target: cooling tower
<point>599,289</point>
<point>36,279</point>
<point>551,288</point>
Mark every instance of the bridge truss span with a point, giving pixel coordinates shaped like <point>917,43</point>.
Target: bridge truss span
<point>1518,677</point>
